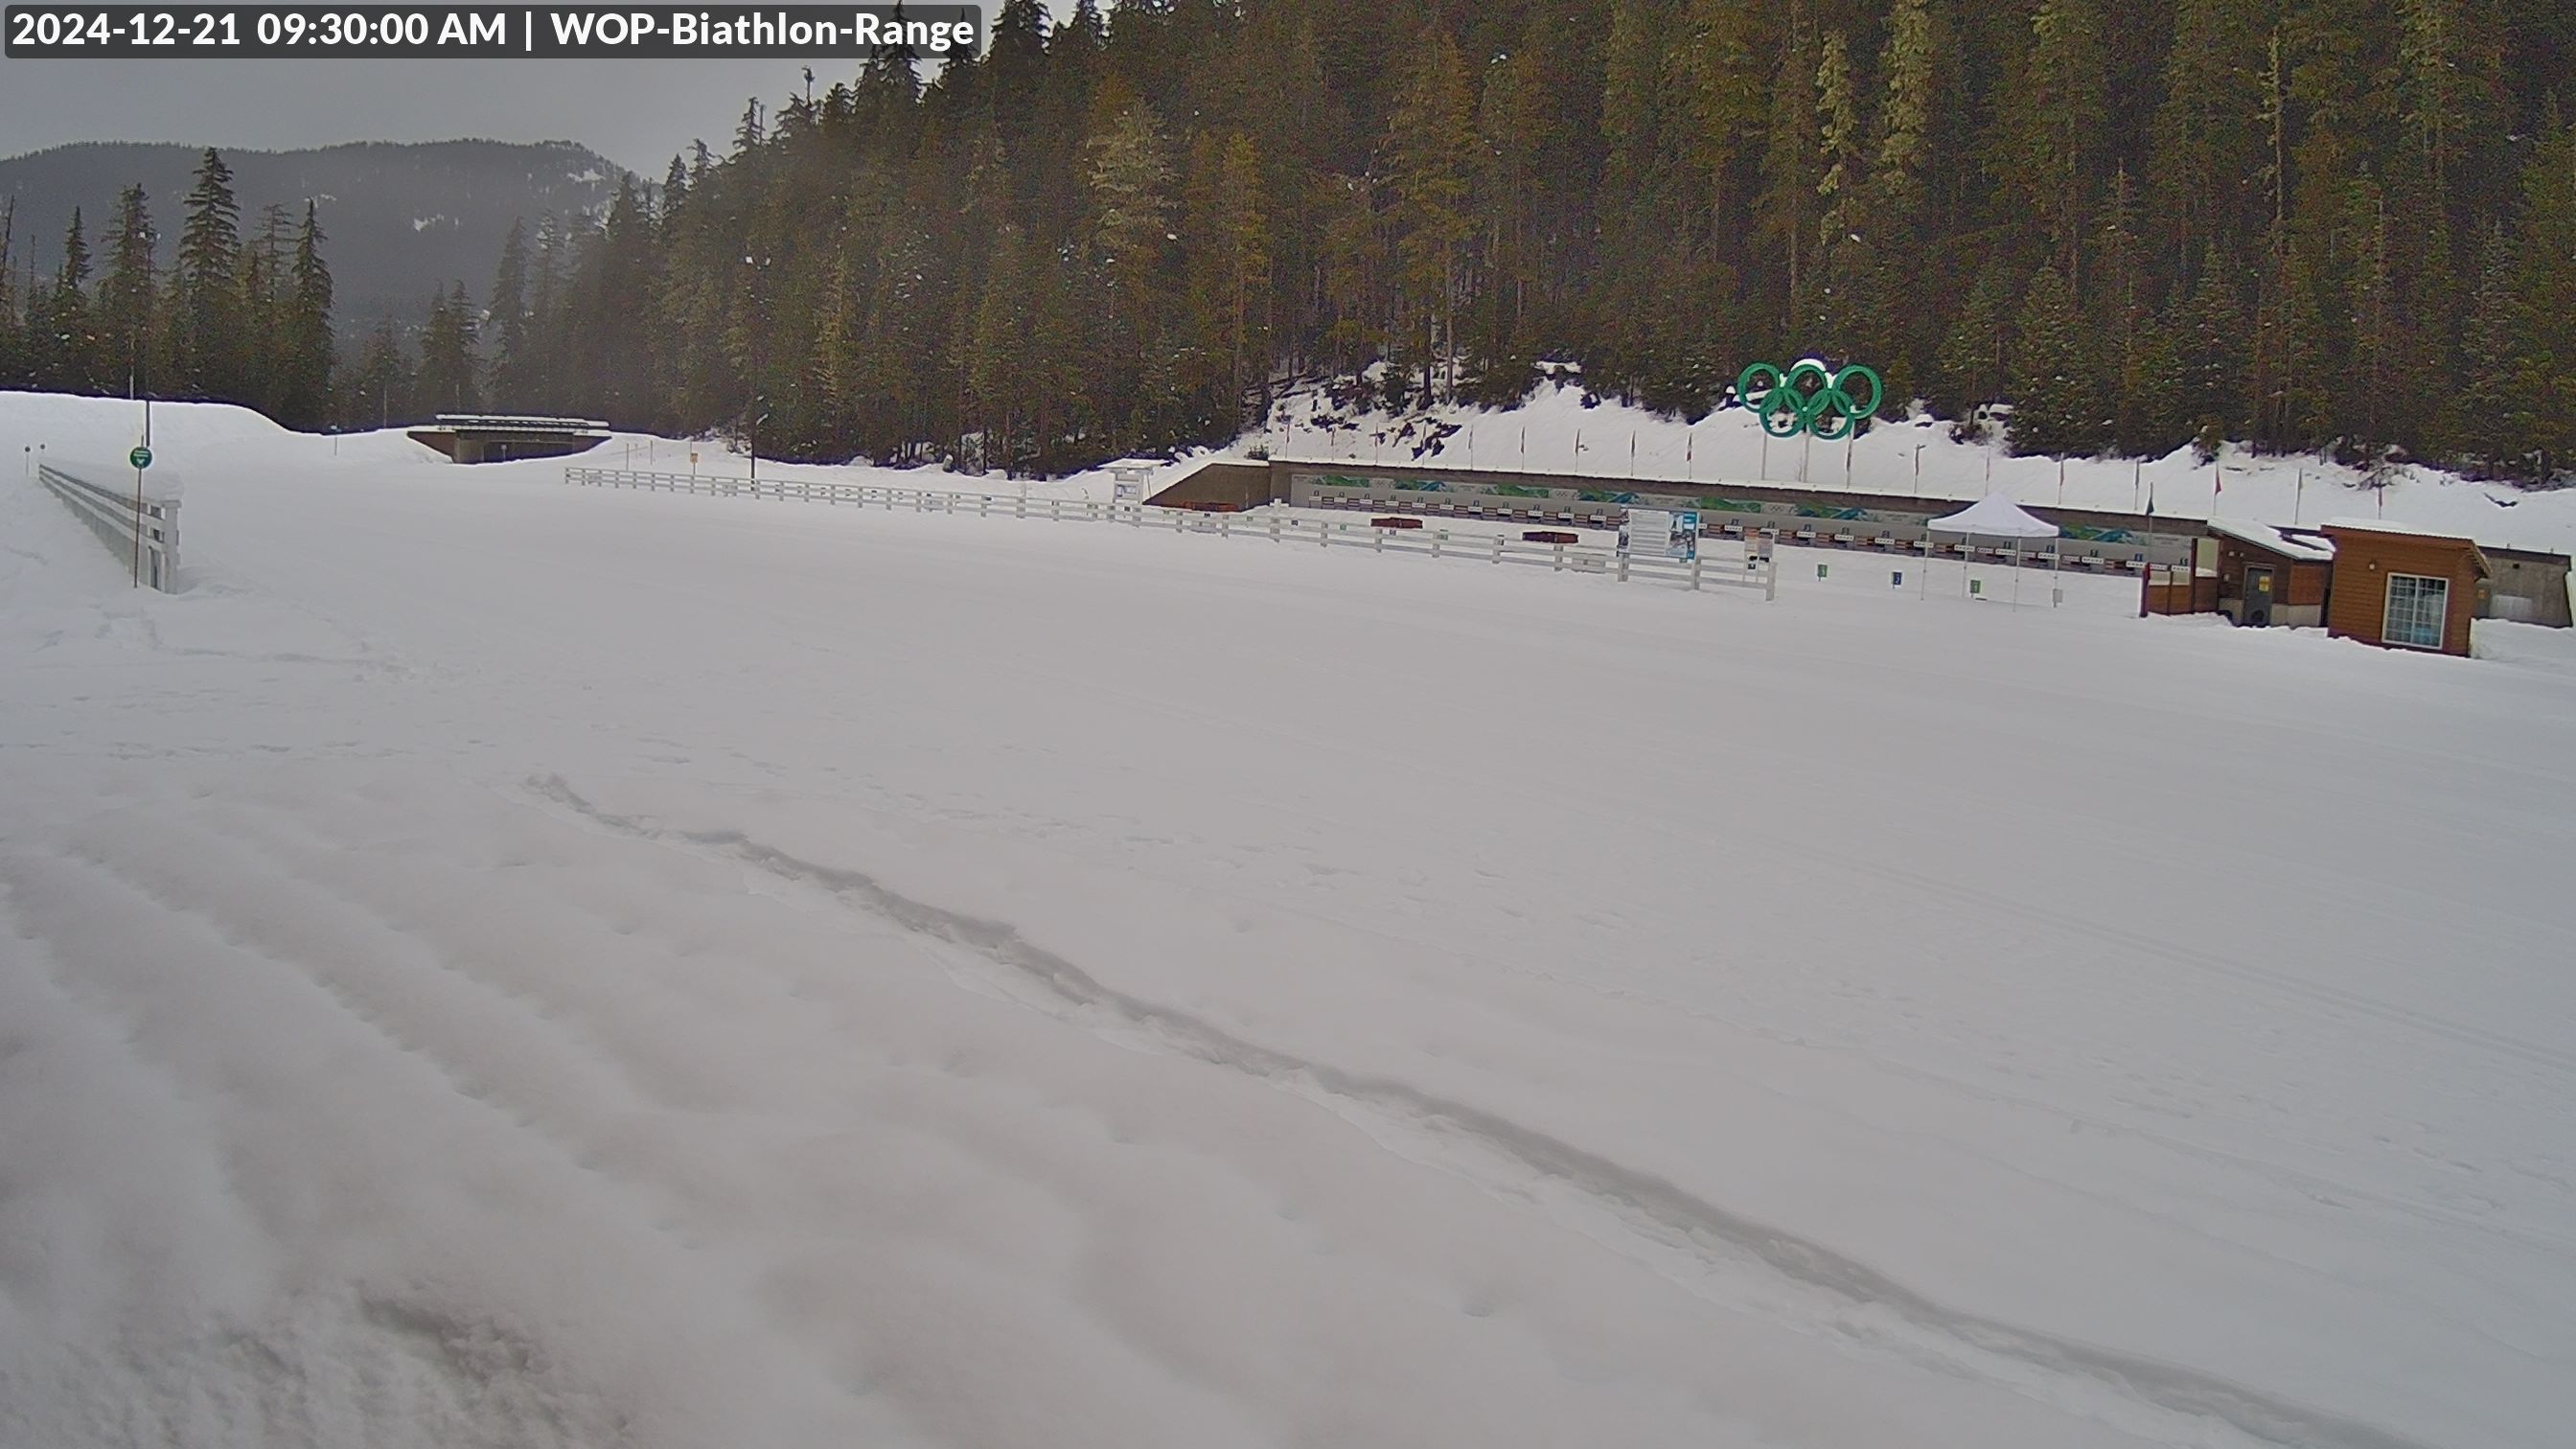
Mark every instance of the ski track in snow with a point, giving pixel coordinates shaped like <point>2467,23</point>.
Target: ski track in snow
<point>1655,1217</point>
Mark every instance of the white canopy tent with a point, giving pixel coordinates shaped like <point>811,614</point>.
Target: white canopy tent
<point>1993,516</point>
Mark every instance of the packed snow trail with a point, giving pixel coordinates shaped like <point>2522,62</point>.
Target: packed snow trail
<point>1656,1211</point>
<point>495,963</point>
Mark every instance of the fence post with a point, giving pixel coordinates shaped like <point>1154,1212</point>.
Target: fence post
<point>1438,536</point>
<point>1498,548</point>
<point>1694,570</point>
<point>1225,525</point>
<point>1771,578</point>
<point>1024,507</point>
<point>1274,528</point>
<point>1055,510</point>
<point>1176,517</point>
<point>1379,543</point>
<point>983,505</point>
<point>1557,565</point>
<point>1623,566</point>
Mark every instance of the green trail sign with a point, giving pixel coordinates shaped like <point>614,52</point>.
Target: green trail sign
<point>141,458</point>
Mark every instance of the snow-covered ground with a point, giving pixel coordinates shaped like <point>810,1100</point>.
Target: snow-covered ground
<point>496,963</point>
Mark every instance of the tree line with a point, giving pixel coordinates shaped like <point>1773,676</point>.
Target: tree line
<point>236,317</point>
<point>2297,224</point>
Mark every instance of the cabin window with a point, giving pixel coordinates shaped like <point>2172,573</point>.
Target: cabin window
<point>2416,606</point>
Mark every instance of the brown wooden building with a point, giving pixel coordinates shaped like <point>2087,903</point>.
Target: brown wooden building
<point>2272,576</point>
<point>2403,588</point>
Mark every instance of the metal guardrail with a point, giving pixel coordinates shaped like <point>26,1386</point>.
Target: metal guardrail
<point>143,530</point>
<point>1757,568</point>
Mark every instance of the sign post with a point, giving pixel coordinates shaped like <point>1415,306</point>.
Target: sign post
<point>141,458</point>
<point>1654,533</point>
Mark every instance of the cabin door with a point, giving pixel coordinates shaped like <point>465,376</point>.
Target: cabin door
<point>2258,595</point>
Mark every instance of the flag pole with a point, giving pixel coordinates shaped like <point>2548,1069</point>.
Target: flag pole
<point>2147,575</point>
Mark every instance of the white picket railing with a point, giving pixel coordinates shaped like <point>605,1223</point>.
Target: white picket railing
<point>143,530</point>
<point>1756,568</point>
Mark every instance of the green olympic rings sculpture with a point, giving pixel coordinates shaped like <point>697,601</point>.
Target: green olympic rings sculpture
<point>1808,398</point>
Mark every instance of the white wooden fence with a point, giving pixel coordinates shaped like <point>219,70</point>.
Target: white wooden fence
<point>143,530</point>
<point>1753,567</point>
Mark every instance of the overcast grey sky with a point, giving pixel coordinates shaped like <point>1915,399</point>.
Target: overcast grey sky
<point>635,112</point>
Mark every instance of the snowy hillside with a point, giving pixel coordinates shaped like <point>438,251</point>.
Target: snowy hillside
<point>1554,432</point>
<point>494,963</point>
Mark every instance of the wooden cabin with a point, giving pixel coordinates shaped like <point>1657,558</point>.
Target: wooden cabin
<point>2272,576</point>
<point>2402,587</point>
